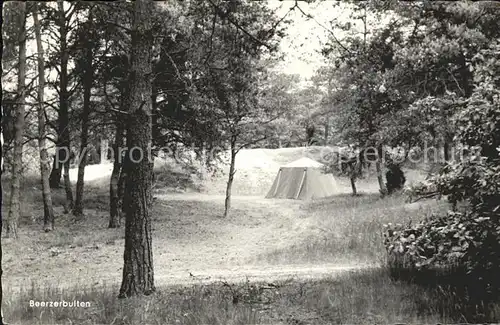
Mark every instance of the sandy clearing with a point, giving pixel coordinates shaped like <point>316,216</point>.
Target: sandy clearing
<point>190,236</point>
<point>188,242</point>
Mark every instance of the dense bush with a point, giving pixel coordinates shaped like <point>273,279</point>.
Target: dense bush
<point>457,254</point>
<point>461,251</point>
<point>395,178</point>
<point>457,241</point>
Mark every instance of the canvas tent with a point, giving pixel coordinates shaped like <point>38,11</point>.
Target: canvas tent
<point>302,179</point>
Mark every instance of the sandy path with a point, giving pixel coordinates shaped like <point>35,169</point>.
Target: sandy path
<point>267,273</point>
<point>191,246</point>
<point>236,275</point>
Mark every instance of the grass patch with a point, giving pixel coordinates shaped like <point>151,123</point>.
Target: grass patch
<point>366,297</point>
<point>31,199</point>
<point>350,228</point>
<point>458,293</point>
<point>172,177</point>
<point>189,305</point>
<point>342,229</point>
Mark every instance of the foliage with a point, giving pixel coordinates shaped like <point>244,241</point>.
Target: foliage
<point>467,243</point>
<point>395,178</point>
<point>345,162</point>
<point>461,247</point>
<point>453,240</point>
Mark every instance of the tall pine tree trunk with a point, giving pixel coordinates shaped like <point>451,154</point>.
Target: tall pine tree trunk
<point>48,210</point>
<point>115,196</point>
<point>17,162</point>
<point>230,180</point>
<point>138,274</point>
<point>82,162</point>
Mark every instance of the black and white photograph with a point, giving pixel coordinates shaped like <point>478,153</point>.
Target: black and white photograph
<point>250,162</point>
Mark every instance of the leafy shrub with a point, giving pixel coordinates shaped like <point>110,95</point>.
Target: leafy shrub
<point>461,251</point>
<point>395,178</point>
<point>458,253</point>
<point>457,240</point>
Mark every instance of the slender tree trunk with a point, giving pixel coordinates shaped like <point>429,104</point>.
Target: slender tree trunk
<point>114,208</point>
<point>354,171</point>
<point>123,173</point>
<point>64,133</point>
<point>352,178</point>
<point>232,171</point>
<point>380,173</point>
<point>82,161</point>
<point>62,143</point>
<point>56,173</point>
<point>121,191</point>
<point>115,196</point>
<point>203,161</point>
<point>138,273</point>
<point>103,154</point>
<point>78,208</point>
<point>446,149</point>
<point>327,129</point>
<point>67,187</point>
<point>353,186</point>
<point>48,210</point>
<point>63,150</point>
<point>1,187</point>
<point>17,162</point>
<point>466,76</point>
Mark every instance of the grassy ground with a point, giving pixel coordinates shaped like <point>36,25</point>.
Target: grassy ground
<point>339,230</point>
<point>369,297</point>
<point>82,261</point>
<point>349,228</point>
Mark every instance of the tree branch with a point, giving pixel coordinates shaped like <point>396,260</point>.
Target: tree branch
<point>126,29</point>
<point>211,40</point>
<point>322,26</point>
<point>112,106</point>
<point>251,143</point>
<point>255,39</point>
<point>456,81</point>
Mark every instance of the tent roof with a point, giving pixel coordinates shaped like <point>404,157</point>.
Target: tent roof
<point>304,162</point>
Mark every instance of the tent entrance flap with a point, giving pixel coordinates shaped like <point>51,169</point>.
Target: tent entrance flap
<point>301,183</point>
<point>277,180</point>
